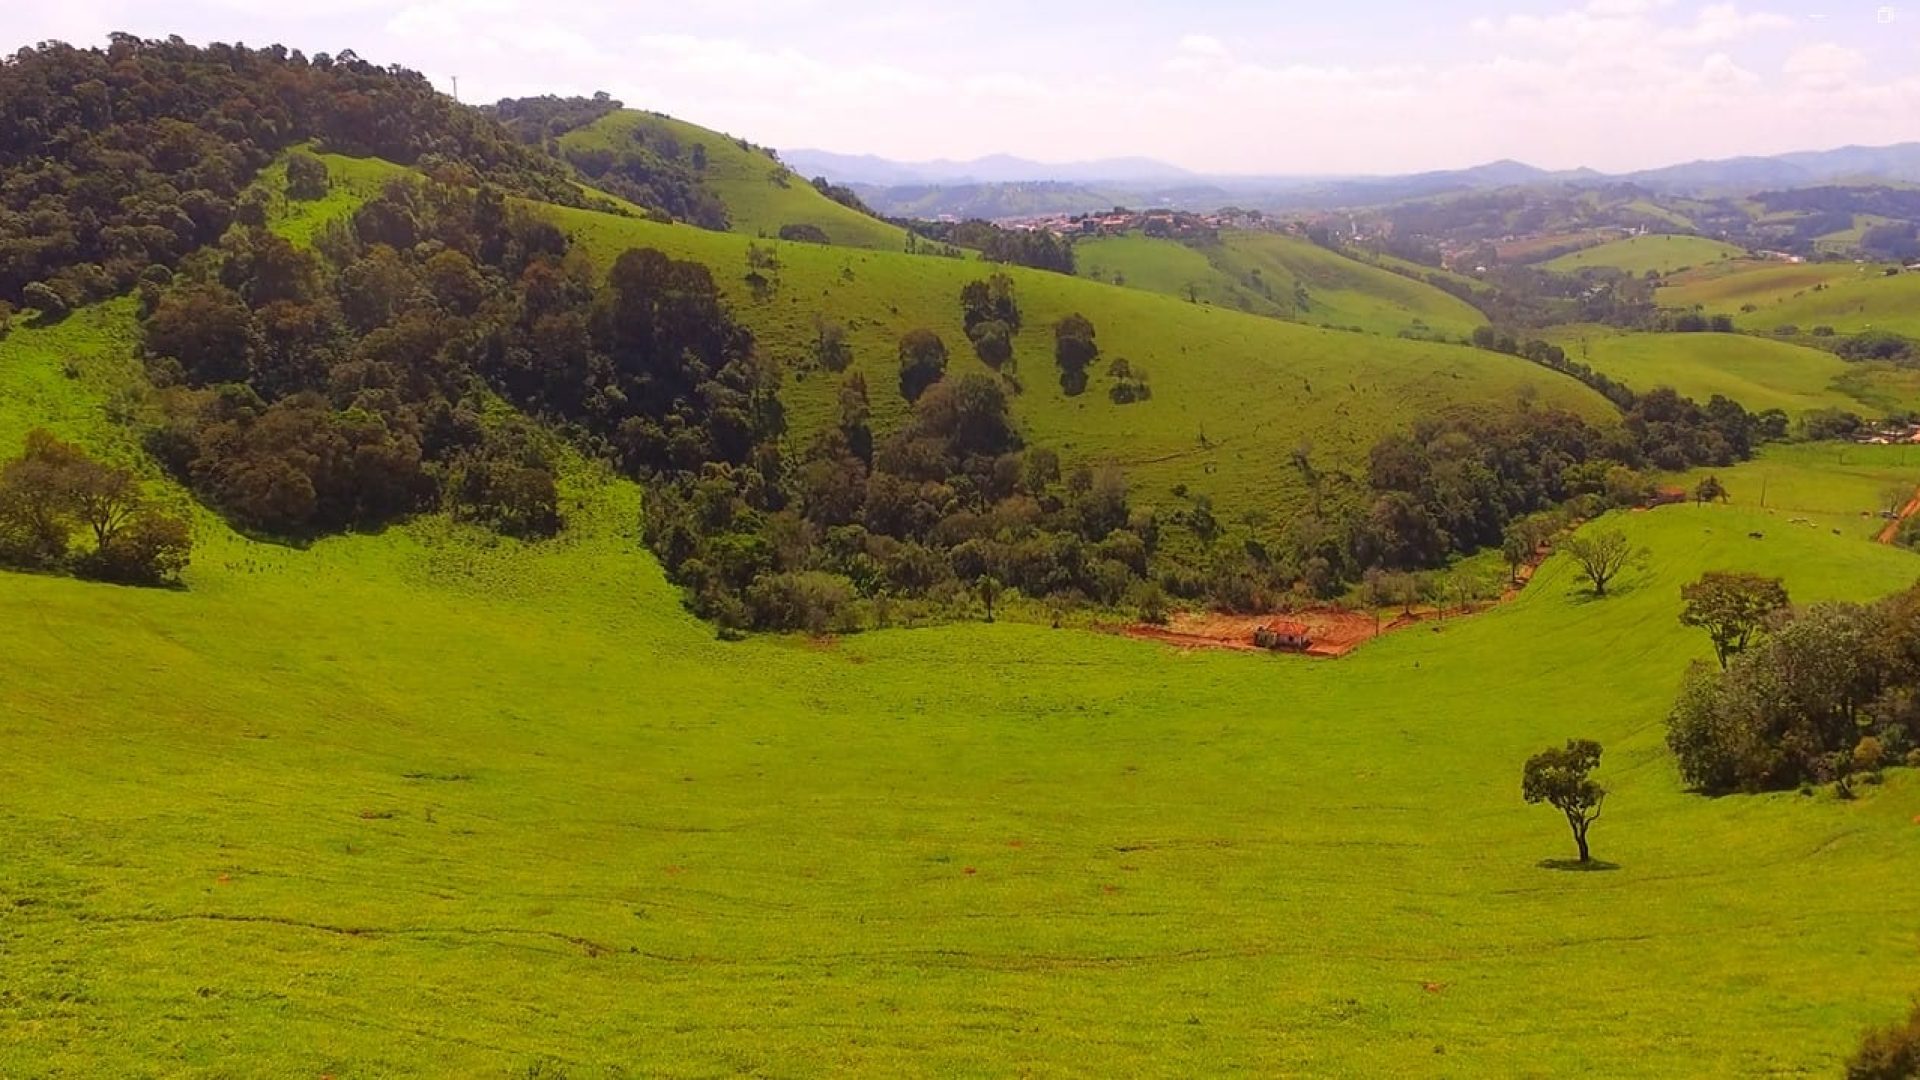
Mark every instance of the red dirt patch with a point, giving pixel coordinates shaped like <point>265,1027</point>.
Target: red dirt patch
<point>1332,633</point>
<point>1893,527</point>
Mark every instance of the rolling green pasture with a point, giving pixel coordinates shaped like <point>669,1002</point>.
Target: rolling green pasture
<point>426,802</point>
<point>1863,302</point>
<point>759,195</point>
<point>1725,288</point>
<point>1343,292</point>
<point>1233,394</point>
<point>1280,276</point>
<point>1759,373</point>
<point>1659,253</point>
<point>1828,485</point>
<point>1659,213</point>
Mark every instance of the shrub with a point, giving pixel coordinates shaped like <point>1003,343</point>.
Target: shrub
<point>805,234</point>
<point>306,177</point>
<point>811,601</point>
<point>1073,350</point>
<point>923,361</point>
<point>45,299</point>
<point>992,341</point>
<point>1889,1053</point>
<point>152,549</point>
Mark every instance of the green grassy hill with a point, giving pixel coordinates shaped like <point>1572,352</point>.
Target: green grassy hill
<point>430,801</point>
<point>760,194</point>
<point>1759,373</point>
<point>1662,254</point>
<point>1282,277</point>
<point>1863,302</point>
<point>1233,394</point>
<point>1825,486</point>
<point>1726,288</point>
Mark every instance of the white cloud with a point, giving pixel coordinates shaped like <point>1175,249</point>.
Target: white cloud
<point>1611,83</point>
<point>1825,67</point>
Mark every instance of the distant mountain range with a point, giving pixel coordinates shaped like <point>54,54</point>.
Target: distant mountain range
<point>995,169</point>
<point>973,188</point>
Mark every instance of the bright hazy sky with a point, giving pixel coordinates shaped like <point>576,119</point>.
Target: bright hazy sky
<point>1239,86</point>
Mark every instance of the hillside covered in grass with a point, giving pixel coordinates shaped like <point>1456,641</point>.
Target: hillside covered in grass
<point>760,195</point>
<point>1233,393</point>
<point>416,760</point>
<point>1658,253</point>
<point>1759,373</point>
<point>1279,276</point>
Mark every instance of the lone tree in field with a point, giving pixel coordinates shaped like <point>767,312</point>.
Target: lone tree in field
<point>1710,490</point>
<point>1601,557</point>
<point>1731,607</point>
<point>1562,779</point>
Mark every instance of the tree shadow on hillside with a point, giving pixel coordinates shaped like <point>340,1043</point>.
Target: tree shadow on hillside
<point>1590,867</point>
<point>1583,594</point>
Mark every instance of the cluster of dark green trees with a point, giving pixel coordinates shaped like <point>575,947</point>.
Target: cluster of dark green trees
<point>1467,482</point>
<point>1825,694</point>
<point>55,491</point>
<point>1036,248</point>
<point>311,391</point>
<point>132,156</point>
<point>949,507</point>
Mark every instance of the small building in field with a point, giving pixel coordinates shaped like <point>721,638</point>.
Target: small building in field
<point>1283,636</point>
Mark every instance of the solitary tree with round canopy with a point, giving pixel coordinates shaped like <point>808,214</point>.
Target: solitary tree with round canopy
<point>1563,779</point>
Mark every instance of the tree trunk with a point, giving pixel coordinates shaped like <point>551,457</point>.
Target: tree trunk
<point>1580,838</point>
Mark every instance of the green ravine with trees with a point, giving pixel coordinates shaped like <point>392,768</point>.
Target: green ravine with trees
<point>550,545</point>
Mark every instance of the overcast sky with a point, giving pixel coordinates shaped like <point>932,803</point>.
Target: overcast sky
<point>1232,86</point>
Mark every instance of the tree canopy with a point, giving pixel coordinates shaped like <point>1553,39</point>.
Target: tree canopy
<point>1562,778</point>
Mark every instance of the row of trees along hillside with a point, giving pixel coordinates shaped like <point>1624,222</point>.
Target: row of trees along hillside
<point>1035,248</point>
<point>114,160</point>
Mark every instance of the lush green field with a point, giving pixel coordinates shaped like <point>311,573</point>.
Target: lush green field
<point>1866,301</point>
<point>1758,372</point>
<point>426,802</point>
<point>1280,276</point>
<point>759,194</point>
<point>1233,394</point>
<point>1659,253</point>
<point>1822,485</point>
<point>1342,292</point>
<point>1727,288</point>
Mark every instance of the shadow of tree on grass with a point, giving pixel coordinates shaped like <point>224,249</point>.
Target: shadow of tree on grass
<point>1592,866</point>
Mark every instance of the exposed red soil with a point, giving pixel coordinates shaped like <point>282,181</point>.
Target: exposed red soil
<point>1332,632</point>
<point>1893,527</point>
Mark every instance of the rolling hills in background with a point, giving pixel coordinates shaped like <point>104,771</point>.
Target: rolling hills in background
<point>969,188</point>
